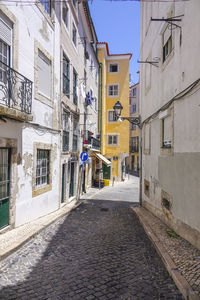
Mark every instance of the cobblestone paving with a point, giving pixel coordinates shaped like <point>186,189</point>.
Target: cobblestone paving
<point>100,251</point>
<point>185,256</point>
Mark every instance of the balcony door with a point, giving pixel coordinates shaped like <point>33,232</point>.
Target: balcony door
<point>4,186</point>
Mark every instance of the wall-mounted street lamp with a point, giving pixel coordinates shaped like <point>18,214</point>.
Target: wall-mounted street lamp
<point>118,109</point>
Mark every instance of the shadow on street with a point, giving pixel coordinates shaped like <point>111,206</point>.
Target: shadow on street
<point>100,251</point>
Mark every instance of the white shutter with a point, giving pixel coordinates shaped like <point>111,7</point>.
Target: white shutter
<point>44,75</point>
<point>167,129</point>
<point>5,30</point>
<point>166,35</point>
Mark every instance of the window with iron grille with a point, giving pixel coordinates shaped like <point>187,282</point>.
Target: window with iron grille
<point>47,5</point>
<point>75,77</point>
<point>66,76</point>
<point>66,130</point>
<point>42,168</point>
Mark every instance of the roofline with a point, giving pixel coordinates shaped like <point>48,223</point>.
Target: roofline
<point>107,50</point>
<point>134,85</point>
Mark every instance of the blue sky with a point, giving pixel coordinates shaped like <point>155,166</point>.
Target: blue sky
<point>118,24</point>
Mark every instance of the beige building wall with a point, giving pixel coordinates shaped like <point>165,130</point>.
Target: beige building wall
<point>170,114</point>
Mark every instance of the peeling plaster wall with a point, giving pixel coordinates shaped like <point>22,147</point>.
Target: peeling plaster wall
<point>33,26</point>
<point>27,207</point>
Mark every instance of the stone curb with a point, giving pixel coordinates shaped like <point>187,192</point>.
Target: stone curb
<point>14,247</point>
<point>183,286</point>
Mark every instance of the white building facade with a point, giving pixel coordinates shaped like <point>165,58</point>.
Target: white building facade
<point>42,105</point>
<point>169,104</point>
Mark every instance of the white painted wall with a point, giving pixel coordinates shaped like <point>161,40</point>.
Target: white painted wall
<point>175,172</point>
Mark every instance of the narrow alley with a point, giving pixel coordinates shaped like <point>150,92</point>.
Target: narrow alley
<point>100,251</point>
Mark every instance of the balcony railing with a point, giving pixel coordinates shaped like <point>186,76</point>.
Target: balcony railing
<point>92,141</point>
<point>134,149</point>
<point>15,89</point>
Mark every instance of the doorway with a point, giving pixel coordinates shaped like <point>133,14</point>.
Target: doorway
<point>72,180</point>
<point>5,154</point>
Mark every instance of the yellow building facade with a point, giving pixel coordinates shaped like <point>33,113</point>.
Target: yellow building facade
<point>114,86</point>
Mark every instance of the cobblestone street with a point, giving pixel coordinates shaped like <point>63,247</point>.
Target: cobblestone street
<point>100,251</point>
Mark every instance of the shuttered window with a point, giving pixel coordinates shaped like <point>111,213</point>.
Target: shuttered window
<point>5,30</point>
<point>44,75</point>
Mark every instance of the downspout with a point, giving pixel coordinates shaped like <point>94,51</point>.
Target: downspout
<point>140,172</point>
<point>100,97</point>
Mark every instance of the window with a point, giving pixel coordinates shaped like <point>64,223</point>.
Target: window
<point>112,116</point>
<point>167,132</point>
<point>167,43</point>
<point>113,140</point>
<point>65,14</point>
<point>5,45</point>
<point>134,92</point>
<point>47,5</point>
<point>66,76</point>
<point>42,168</point>
<point>66,129</point>
<point>134,108</point>
<point>113,68</point>
<point>75,135</point>
<point>134,143</point>
<point>75,3</point>
<point>44,75</point>
<point>146,188</point>
<point>133,126</point>
<point>74,33</point>
<point>4,58</point>
<point>113,90</point>
<point>75,96</point>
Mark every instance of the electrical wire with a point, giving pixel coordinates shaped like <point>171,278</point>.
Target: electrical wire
<point>179,96</point>
<point>32,2</point>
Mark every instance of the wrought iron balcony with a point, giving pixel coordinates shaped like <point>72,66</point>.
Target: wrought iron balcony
<point>134,149</point>
<point>92,141</point>
<point>15,90</point>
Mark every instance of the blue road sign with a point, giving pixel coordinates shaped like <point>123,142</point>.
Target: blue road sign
<point>84,156</point>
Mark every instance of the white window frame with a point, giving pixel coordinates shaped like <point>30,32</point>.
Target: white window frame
<point>118,92</point>
<point>68,16</point>
<point>41,53</point>
<point>112,135</point>
<point>43,164</point>
<point>113,63</point>
<point>74,28</point>
<point>108,111</point>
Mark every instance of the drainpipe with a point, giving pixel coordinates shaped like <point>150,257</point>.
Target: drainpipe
<point>100,97</point>
<point>140,173</point>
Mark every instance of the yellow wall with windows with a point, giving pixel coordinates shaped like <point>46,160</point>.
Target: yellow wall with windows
<point>119,128</point>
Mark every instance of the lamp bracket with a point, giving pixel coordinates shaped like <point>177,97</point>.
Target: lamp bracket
<point>132,120</point>
<point>170,21</point>
<point>153,63</point>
